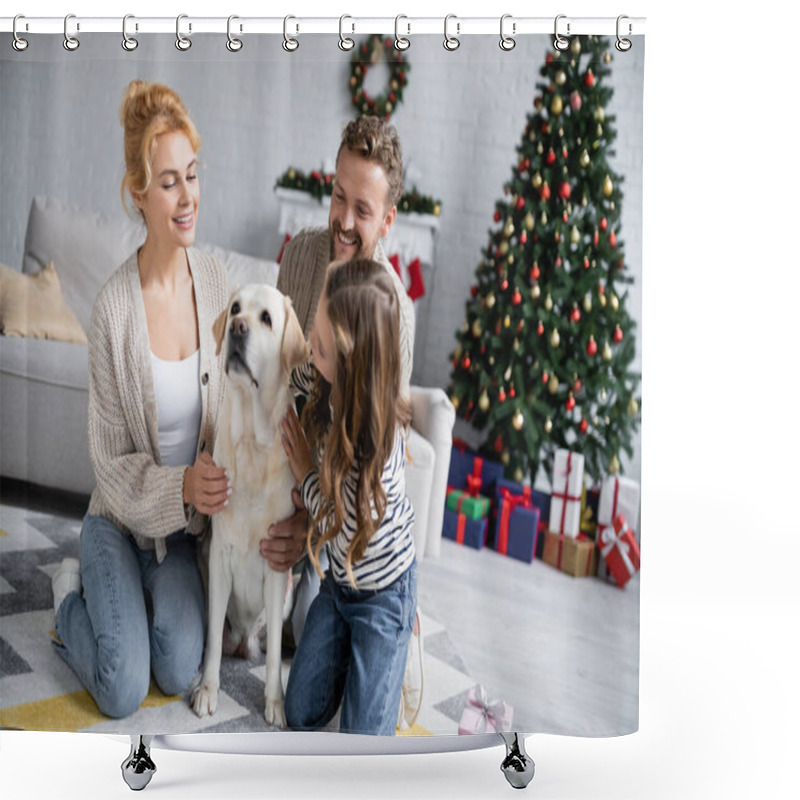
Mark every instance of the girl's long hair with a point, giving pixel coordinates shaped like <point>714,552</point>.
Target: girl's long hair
<point>354,421</point>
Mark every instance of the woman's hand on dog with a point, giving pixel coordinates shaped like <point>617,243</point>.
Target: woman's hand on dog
<point>296,446</point>
<point>206,486</point>
<point>287,539</point>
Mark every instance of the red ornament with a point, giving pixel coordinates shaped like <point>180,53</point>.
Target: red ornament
<point>501,395</point>
<point>559,262</point>
<point>535,272</point>
<point>521,203</point>
<point>591,347</point>
<point>564,152</point>
<point>516,298</point>
<point>577,387</point>
<point>603,224</point>
<point>612,239</point>
<point>596,238</point>
<point>474,291</point>
<point>504,284</point>
<point>551,157</point>
<point>497,216</point>
<point>586,262</point>
<point>511,392</point>
<point>575,314</point>
<point>465,362</point>
<point>498,444</point>
<point>523,237</point>
<point>570,404</point>
<point>545,377</point>
<point>584,426</point>
<point>589,79</point>
<point>565,190</point>
<point>545,190</point>
<point>540,329</point>
<point>617,335</point>
<point>575,101</point>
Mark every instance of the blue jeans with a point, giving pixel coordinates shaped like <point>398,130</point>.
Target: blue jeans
<point>135,615</point>
<point>353,651</point>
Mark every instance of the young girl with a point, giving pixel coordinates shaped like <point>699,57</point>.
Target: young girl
<point>355,641</point>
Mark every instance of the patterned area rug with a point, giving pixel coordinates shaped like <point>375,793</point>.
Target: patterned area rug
<point>38,691</point>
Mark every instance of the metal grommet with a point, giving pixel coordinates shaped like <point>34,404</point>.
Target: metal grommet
<point>401,42</point>
<point>129,43</point>
<point>70,42</point>
<point>560,43</point>
<point>18,43</point>
<point>345,42</point>
<point>507,42</point>
<point>233,44</point>
<point>451,43</point>
<point>289,43</point>
<point>623,45</point>
<point>182,42</point>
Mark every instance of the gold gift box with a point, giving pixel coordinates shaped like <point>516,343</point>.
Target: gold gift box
<point>576,557</point>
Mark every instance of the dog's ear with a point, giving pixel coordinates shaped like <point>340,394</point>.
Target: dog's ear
<point>294,349</point>
<point>218,328</point>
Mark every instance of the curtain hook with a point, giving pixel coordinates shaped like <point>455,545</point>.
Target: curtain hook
<point>560,43</point>
<point>623,45</point>
<point>129,43</point>
<point>451,43</point>
<point>507,42</point>
<point>401,42</point>
<point>345,42</point>
<point>18,43</point>
<point>70,42</point>
<point>289,43</point>
<point>233,44</point>
<point>182,42</point>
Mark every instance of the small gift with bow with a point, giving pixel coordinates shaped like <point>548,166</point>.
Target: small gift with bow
<point>620,550</point>
<point>517,525</point>
<point>565,502</point>
<point>618,495</point>
<point>575,556</point>
<point>465,461</point>
<point>469,502</point>
<point>465,530</point>
<point>539,500</point>
<point>482,715</point>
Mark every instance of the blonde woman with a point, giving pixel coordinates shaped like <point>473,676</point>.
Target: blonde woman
<point>134,605</point>
<point>355,641</point>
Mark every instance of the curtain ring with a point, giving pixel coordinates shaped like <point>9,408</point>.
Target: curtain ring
<point>70,42</point>
<point>507,42</point>
<point>401,42</point>
<point>18,43</point>
<point>451,43</point>
<point>623,45</point>
<point>233,44</point>
<point>560,43</point>
<point>129,43</point>
<point>289,43</point>
<point>345,42</point>
<point>182,42</point>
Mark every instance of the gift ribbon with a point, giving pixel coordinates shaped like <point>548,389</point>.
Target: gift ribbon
<point>581,537</point>
<point>460,445</point>
<point>564,495</point>
<point>494,713</point>
<point>509,502</point>
<point>462,524</point>
<point>602,526</point>
<point>473,485</point>
<point>611,538</point>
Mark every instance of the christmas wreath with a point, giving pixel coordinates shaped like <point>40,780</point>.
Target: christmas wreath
<point>367,55</point>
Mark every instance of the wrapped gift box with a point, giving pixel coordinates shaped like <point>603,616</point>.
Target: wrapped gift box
<point>517,526</point>
<point>565,500</point>
<point>460,528</point>
<point>466,462</point>
<point>620,551</point>
<point>482,715</point>
<point>460,501</point>
<point>575,556</point>
<point>540,500</point>
<point>618,495</point>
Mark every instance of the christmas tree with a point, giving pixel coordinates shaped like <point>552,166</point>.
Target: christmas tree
<point>543,358</point>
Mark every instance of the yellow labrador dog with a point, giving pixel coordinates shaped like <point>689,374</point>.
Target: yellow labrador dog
<point>262,341</point>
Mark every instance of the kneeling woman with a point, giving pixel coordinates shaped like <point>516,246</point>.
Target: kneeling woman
<point>155,384</point>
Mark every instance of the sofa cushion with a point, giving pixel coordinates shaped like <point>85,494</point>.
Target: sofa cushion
<point>87,247</point>
<point>32,306</point>
<point>242,268</point>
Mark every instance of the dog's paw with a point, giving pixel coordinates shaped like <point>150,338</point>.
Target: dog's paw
<point>204,700</point>
<point>273,713</point>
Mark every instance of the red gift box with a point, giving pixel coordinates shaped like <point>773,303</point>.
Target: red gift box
<point>619,549</point>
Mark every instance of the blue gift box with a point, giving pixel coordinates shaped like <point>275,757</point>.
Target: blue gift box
<point>473,532</point>
<point>523,530</point>
<point>462,464</point>
<point>540,500</point>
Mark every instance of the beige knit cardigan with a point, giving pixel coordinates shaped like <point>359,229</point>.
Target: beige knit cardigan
<point>302,276</point>
<point>134,491</point>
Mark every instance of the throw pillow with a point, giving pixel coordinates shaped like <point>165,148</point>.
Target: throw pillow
<point>32,306</point>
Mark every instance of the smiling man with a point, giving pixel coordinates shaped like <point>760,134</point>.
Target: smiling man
<point>366,190</point>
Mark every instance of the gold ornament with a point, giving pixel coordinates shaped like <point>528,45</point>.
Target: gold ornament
<point>518,474</point>
<point>510,259</point>
<point>509,228</point>
<point>476,328</point>
<point>455,401</point>
<point>614,300</point>
<point>536,180</point>
<point>529,221</point>
<point>587,302</point>
<point>457,353</point>
<point>561,77</point>
<point>490,300</point>
<point>599,114</point>
<point>535,291</point>
<point>633,407</point>
<point>555,339</point>
<point>575,47</point>
<point>607,354</point>
<point>503,247</point>
<point>584,159</point>
<point>607,57</point>
<point>575,235</point>
<point>543,218</point>
<point>507,321</point>
<point>552,384</point>
<point>507,374</point>
<point>603,300</point>
<point>548,302</point>
<point>548,425</point>
<point>556,105</point>
<point>613,465</point>
<point>516,344</point>
<point>505,458</point>
<point>483,401</point>
<point>518,421</point>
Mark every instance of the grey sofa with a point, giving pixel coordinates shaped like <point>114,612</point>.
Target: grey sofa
<point>44,383</point>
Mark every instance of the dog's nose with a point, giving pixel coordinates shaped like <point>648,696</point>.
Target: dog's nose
<point>239,327</point>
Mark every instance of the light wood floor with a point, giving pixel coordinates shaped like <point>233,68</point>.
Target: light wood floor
<point>563,651</point>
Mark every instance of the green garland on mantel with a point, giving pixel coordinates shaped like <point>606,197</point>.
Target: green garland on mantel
<point>320,184</point>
